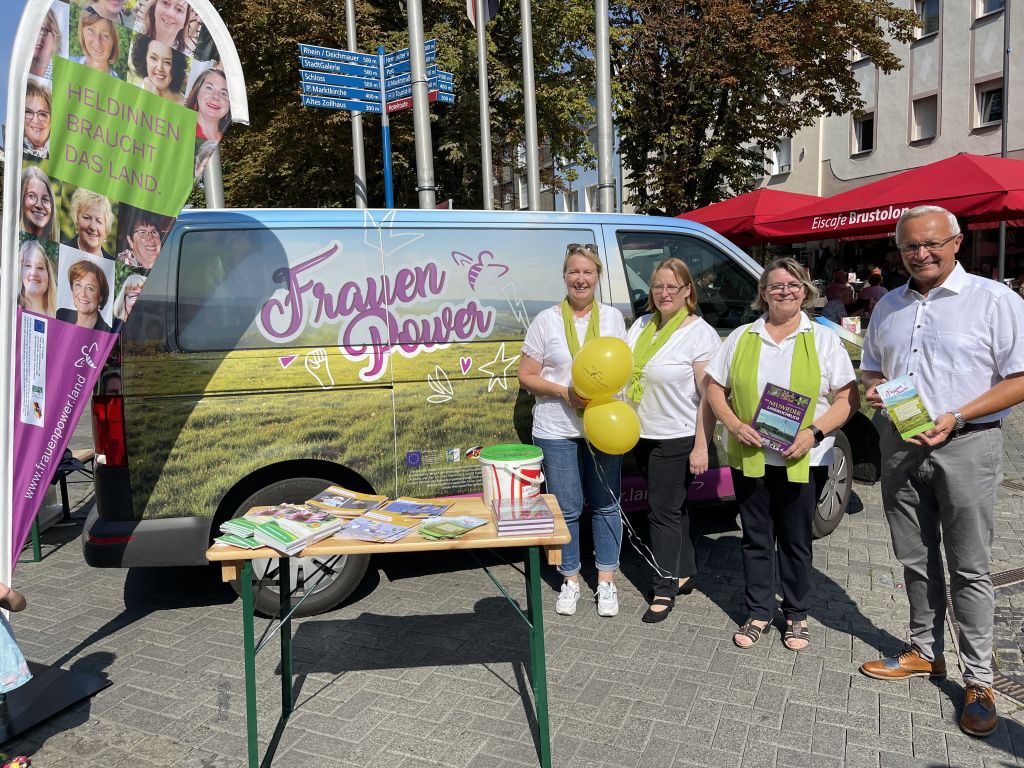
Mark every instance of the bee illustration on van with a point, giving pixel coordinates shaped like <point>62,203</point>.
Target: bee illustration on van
<point>478,266</point>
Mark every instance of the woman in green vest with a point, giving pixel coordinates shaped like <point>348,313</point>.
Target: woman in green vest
<point>671,348</point>
<point>575,471</point>
<point>777,489</point>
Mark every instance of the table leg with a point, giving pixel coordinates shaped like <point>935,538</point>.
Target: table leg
<point>538,670</point>
<point>285,585</point>
<point>249,651</point>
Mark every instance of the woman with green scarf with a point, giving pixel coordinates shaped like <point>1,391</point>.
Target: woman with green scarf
<point>575,471</point>
<point>777,493</point>
<point>671,347</point>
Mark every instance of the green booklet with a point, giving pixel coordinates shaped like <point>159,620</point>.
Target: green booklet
<point>449,527</point>
<point>905,407</point>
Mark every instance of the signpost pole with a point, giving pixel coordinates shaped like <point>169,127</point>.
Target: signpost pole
<point>425,187</point>
<point>530,104</point>
<point>605,177</point>
<point>385,133</point>
<point>213,181</point>
<point>358,157</point>
<point>1005,125</point>
<point>486,166</point>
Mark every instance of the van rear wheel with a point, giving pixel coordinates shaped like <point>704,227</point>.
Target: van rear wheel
<point>322,583</point>
<point>834,497</point>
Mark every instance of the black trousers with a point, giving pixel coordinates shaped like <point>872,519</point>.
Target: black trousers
<point>665,465</point>
<point>776,518</point>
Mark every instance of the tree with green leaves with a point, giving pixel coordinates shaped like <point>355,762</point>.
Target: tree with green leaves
<point>705,89</point>
<point>292,155</point>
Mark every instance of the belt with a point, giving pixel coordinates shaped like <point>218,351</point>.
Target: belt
<point>975,427</point>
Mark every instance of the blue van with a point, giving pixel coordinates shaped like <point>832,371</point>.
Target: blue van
<point>268,357</point>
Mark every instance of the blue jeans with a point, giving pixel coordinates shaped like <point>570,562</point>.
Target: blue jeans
<point>574,475</point>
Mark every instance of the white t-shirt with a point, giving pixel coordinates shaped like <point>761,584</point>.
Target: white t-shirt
<point>774,367</point>
<point>956,343</point>
<point>545,342</point>
<point>668,408</point>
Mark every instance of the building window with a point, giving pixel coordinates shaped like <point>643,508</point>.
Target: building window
<point>782,157</point>
<point>572,200</point>
<point>990,6</point>
<point>990,102</point>
<point>926,118</point>
<point>928,13</point>
<point>863,133</point>
<point>592,204</point>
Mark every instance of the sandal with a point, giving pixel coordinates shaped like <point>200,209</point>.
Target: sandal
<point>752,632</point>
<point>652,616</point>
<point>796,631</point>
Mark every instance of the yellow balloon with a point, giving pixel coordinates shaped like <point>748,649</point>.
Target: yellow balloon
<point>611,426</point>
<point>601,368</point>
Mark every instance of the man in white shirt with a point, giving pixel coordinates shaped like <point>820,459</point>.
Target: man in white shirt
<point>960,339</point>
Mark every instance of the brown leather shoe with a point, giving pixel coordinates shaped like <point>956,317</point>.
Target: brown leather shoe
<point>907,663</point>
<point>979,717</point>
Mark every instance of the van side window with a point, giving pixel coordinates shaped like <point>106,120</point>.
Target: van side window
<point>511,274</point>
<point>724,288</point>
<point>263,288</point>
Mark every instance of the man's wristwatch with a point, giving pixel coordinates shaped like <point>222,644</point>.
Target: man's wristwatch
<point>960,423</point>
<point>818,434</point>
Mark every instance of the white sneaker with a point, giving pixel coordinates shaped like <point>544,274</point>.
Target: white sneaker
<point>607,599</point>
<point>565,605</point>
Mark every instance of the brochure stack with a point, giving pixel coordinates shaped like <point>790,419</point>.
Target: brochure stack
<point>526,517</point>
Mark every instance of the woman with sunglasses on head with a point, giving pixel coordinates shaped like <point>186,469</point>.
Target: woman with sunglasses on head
<point>671,347</point>
<point>777,492</point>
<point>575,471</point>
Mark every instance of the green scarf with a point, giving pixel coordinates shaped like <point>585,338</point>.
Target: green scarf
<point>647,346</point>
<point>593,326</point>
<point>804,377</point>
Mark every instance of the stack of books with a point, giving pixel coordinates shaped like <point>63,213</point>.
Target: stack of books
<point>525,517</point>
<point>288,528</point>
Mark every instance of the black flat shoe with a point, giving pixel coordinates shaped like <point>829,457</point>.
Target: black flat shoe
<point>652,616</point>
<point>687,588</point>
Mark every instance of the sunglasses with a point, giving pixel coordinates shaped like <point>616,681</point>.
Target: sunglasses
<point>588,247</point>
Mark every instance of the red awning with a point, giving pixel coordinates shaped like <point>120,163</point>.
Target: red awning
<point>973,187</point>
<point>738,217</point>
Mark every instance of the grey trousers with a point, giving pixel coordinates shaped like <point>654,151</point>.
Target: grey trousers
<point>946,495</point>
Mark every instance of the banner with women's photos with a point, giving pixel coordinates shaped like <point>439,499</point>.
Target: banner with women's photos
<point>124,103</point>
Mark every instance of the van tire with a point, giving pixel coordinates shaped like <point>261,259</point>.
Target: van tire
<point>342,578</point>
<point>834,497</point>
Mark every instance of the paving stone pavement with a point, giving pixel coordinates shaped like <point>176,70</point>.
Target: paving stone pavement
<point>427,666</point>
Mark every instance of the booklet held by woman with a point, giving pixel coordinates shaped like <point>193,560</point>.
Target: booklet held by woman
<point>906,410</point>
<point>779,415</point>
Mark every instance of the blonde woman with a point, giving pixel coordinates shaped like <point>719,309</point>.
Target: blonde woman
<point>125,301</point>
<point>100,45</point>
<point>38,281</point>
<point>92,217</point>
<point>575,474</point>
<point>47,44</point>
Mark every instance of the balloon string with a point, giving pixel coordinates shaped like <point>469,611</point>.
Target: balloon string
<point>633,537</point>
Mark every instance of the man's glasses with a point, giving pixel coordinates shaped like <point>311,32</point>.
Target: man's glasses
<point>910,249</point>
<point>671,290</point>
<point>588,247</point>
<point>781,288</point>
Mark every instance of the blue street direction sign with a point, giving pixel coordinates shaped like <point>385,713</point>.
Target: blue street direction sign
<point>333,54</point>
<point>340,92</point>
<point>445,98</point>
<point>322,78</point>
<point>430,46</point>
<point>337,67</point>
<point>353,106</point>
<point>445,77</point>
<point>433,84</point>
<point>406,66</point>
<point>405,79</point>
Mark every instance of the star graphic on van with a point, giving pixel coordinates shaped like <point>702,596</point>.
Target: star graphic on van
<point>501,379</point>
